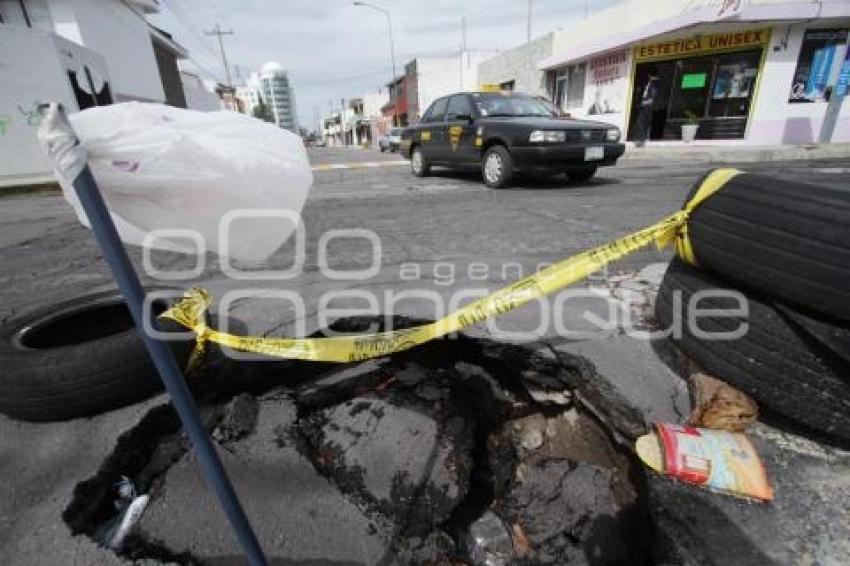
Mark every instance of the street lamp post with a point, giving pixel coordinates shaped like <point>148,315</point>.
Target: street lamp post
<point>389,25</point>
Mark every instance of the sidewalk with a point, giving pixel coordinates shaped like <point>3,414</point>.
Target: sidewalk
<point>715,153</point>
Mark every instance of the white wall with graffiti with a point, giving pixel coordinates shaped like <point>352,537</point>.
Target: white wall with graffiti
<point>34,68</point>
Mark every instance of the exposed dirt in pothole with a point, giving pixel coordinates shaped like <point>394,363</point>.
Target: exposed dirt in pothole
<point>460,451</point>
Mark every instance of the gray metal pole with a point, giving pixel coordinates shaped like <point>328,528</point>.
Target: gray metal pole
<point>392,44</point>
<point>833,109</point>
<point>64,149</point>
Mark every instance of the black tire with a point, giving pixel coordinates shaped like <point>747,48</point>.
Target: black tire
<point>420,166</point>
<point>78,358</point>
<point>581,175</point>
<point>784,367</point>
<point>501,178</point>
<point>786,239</point>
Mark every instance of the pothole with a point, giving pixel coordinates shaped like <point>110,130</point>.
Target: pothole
<point>462,451</point>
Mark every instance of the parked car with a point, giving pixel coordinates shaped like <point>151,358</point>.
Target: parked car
<point>507,132</point>
<point>391,141</point>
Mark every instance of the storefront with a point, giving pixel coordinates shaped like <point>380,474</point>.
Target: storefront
<point>707,79</point>
<point>762,72</point>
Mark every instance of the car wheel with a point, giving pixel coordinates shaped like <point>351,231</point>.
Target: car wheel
<point>582,175</point>
<point>419,164</point>
<point>497,167</point>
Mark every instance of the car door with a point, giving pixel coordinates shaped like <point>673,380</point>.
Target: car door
<point>460,130</point>
<point>432,130</point>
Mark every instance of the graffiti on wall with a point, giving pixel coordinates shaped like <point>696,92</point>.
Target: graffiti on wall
<point>5,120</point>
<point>30,113</point>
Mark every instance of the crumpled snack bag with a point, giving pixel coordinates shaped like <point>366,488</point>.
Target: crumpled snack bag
<point>718,405</point>
<point>717,459</point>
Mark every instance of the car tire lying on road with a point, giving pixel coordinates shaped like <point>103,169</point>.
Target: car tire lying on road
<point>786,239</point>
<point>419,164</point>
<point>78,358</point>
<point>786,368</point>
<point>582,175</point>
<point>497,167</point>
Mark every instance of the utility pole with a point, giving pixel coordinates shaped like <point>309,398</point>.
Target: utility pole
<point>218,32</point>
<point>528,23</point>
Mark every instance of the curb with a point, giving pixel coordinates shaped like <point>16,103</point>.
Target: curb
<point>355,165</point>
<point>737,154</point>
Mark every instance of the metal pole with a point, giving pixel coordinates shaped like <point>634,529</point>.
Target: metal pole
<point>528,24</point>
<point>218,32</point>
<point>389,24</point>
<point>62,146</point>
<point>833,108</point>
<point>392,45</point>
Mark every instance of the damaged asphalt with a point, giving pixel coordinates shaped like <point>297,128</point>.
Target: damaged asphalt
<point>406,460</point>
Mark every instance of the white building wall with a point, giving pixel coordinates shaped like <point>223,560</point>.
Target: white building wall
<point>446,75</point>
<point>198,96</point>
<point>34,67</point>
<point>519,64</point>
<point>121,35</point>
<point>372,104</point>
<point>774,119</point>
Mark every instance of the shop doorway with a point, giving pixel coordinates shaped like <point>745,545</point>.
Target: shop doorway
<point>662,73</point>
<point>715,90</point>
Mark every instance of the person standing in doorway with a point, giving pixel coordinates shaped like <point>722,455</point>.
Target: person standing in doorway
<point>649,93</point>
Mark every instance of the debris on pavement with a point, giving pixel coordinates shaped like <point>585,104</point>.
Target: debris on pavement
<point>717,459</point>
<point>491,543</point>
<point>718,405</point>
<point>130,508</point>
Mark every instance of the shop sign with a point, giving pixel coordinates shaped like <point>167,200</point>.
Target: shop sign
<point>608,68</point>
<point>685,47</point>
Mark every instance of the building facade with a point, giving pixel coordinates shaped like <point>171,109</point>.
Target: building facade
<point>278,96</point>
<point>81,53</point>
<point>757,72</point>
<point>516,69</point>
<point>426,79</point>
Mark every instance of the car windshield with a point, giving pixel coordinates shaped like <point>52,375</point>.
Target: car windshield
<point>497,104</point>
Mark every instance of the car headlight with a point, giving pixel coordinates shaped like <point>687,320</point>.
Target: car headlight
<point>612,134</point>
<point>547,136</point>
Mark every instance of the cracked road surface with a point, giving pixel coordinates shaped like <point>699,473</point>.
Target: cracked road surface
<point>435,233</point>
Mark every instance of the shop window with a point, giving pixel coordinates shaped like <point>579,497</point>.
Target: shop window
<point>734,84</point>
<point>819,54</point>
<point>569,86</point>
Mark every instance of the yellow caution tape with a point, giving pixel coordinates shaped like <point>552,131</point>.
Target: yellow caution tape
<point>190,311</point>
<point>712,182</point>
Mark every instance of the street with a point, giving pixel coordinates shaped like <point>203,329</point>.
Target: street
<point>444,233</point>
<point>447,217</point>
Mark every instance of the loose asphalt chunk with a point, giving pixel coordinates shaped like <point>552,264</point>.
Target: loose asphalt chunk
<point>299,515</point>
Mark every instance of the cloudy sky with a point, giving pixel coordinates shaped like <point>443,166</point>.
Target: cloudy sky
<point>334,49</point>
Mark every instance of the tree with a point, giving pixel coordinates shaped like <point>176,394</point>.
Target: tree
<point>261,111</point>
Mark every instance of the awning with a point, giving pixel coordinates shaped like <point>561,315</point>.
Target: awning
<point>788,11</point>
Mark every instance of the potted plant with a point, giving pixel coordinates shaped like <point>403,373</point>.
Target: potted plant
<point>689,128</point>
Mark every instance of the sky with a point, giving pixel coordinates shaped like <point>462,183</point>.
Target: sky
<point>333,49</point>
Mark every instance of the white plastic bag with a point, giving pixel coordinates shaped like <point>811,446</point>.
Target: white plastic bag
<point>160,167</point>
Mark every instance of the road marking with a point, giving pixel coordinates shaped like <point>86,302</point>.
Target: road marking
<point>356,165</point>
